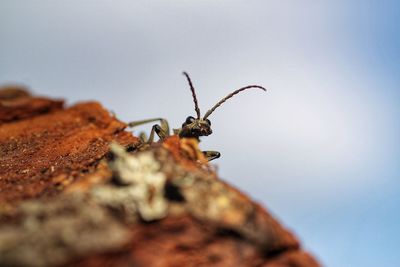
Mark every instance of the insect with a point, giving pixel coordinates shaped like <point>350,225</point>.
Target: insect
<point>192,127</point>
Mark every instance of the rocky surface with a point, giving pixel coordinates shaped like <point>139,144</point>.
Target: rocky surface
<point>77,189</point>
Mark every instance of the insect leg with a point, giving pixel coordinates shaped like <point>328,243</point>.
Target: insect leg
<point>143,137</point>
<point>162,131</point>
<point>159,131</point>
<point>163,122</point>
<point>210,155</point>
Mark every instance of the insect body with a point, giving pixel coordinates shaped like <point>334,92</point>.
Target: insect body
<point>192,127</point>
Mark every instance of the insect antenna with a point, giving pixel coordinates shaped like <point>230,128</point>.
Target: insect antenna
<point>196,105</point>
<point>229,96</point>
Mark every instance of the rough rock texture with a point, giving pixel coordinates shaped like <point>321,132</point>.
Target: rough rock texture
<point>16,103</point>
<point>42,154</point>
<point>70,198</point>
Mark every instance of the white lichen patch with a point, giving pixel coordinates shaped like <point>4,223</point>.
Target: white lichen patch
<point>54,232</point>
<point>142,183</point>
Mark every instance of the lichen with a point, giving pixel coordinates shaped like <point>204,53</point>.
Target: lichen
<point>53,232</point>
<point>143,184</point>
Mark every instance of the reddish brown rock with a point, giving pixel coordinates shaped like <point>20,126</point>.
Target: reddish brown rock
<point>184,241</point>
<point>47,151</point>
<point>50,155</point>
<point>16,103</point>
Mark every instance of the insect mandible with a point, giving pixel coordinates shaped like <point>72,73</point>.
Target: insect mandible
<point>192,127</point>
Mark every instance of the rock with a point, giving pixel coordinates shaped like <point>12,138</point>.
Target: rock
<point>16,103</point>
<point>71,195</point>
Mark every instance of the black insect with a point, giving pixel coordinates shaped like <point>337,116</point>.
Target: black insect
<point>192,127</point>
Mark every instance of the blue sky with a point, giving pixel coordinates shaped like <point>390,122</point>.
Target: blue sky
<point>320,149</point>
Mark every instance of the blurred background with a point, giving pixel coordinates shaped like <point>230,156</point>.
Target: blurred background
<point>320,149</point>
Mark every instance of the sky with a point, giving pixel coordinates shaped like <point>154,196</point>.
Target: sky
<point>320,149</point>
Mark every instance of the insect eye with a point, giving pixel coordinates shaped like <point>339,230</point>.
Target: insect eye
<point>208,122</point>
<point>189,119</point>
